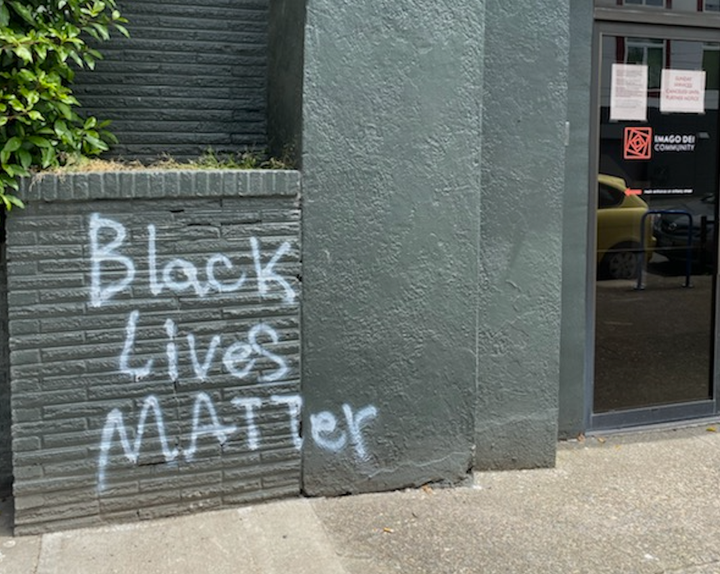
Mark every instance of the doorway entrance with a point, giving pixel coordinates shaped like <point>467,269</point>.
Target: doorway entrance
<point>656,207</point>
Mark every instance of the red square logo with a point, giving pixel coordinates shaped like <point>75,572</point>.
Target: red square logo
<point>638,143</point>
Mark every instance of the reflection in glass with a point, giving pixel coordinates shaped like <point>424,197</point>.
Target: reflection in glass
<point>658,3</point>
<point>711,65</point>
<point>656,218</point>
<point>648,52</point>
<point>711,7</point>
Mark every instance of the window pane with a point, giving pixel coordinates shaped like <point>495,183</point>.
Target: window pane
<point>655,65</point>
<point>649,52</point>
<point>658,3</point>
<point>711,65</point>
<point>711,7</point>
<point>644,356</point>
<point>635,55</point>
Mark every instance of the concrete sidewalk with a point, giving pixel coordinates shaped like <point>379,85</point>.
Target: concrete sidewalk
<point>637,503</point>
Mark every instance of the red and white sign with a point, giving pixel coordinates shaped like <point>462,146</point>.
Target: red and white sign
<point>682,91</point>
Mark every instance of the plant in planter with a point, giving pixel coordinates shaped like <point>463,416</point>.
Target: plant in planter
<point>40,42</point>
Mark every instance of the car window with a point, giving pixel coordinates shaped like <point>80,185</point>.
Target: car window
<point>609,196</point>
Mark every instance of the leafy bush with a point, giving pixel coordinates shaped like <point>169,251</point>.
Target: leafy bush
<point>40,42</point>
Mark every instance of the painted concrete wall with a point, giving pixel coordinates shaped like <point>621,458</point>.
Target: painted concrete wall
<point>154,344</point>
<point>285,78</point>
<point>391,214</point>
<point>192,75</point>
<point>574,370</point>
<point>524,114</point>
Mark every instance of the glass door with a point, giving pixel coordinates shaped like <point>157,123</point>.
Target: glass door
<point>655,260</point>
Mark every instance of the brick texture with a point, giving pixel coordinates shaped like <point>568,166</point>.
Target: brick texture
<point>154,344</point>
<point>192,75</point>
<point>5,418</point>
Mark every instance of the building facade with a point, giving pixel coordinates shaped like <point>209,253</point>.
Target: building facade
<point>501,232</point>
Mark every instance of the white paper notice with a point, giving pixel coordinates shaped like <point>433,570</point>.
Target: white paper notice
<point>628,92</point>
<point>682,91</point>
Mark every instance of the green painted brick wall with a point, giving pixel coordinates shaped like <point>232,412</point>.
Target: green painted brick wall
<point>192,75</point>
<point>5,418</point>
<point>192,358</point>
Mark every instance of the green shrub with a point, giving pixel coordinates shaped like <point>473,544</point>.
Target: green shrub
<point>40,43</point>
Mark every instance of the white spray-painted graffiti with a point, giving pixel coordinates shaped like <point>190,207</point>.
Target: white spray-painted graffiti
<point>326,430</point>
<point>178,275</point>
<point>238,358</point>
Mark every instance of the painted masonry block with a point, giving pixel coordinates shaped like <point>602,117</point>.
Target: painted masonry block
<point>154,348</point>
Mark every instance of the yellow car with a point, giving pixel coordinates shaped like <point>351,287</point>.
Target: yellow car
<point>619,233</point>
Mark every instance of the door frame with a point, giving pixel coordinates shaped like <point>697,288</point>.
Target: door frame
<point>622,23</point>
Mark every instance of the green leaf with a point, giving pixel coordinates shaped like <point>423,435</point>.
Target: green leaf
<point>61,129</point>
<point>101,30</point>
<point>92,32</point>
<point>11,200</point>
<point>9,181</point>
<point>41,51</point>
<point>108,137</point>
<point>4,15</point>
<point>26,76</point>
<point>14,170</point>
<point>49,157</point>
<point>23,52</point>
<point>77,59</point>
<point>16,104</point>
<point>25,158</point>
<point>12,145</point>
<point>65,110</point>
<point>96,145</point>
<point>23,12</point>
<point>38,141</point>
<point>123,30</point>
